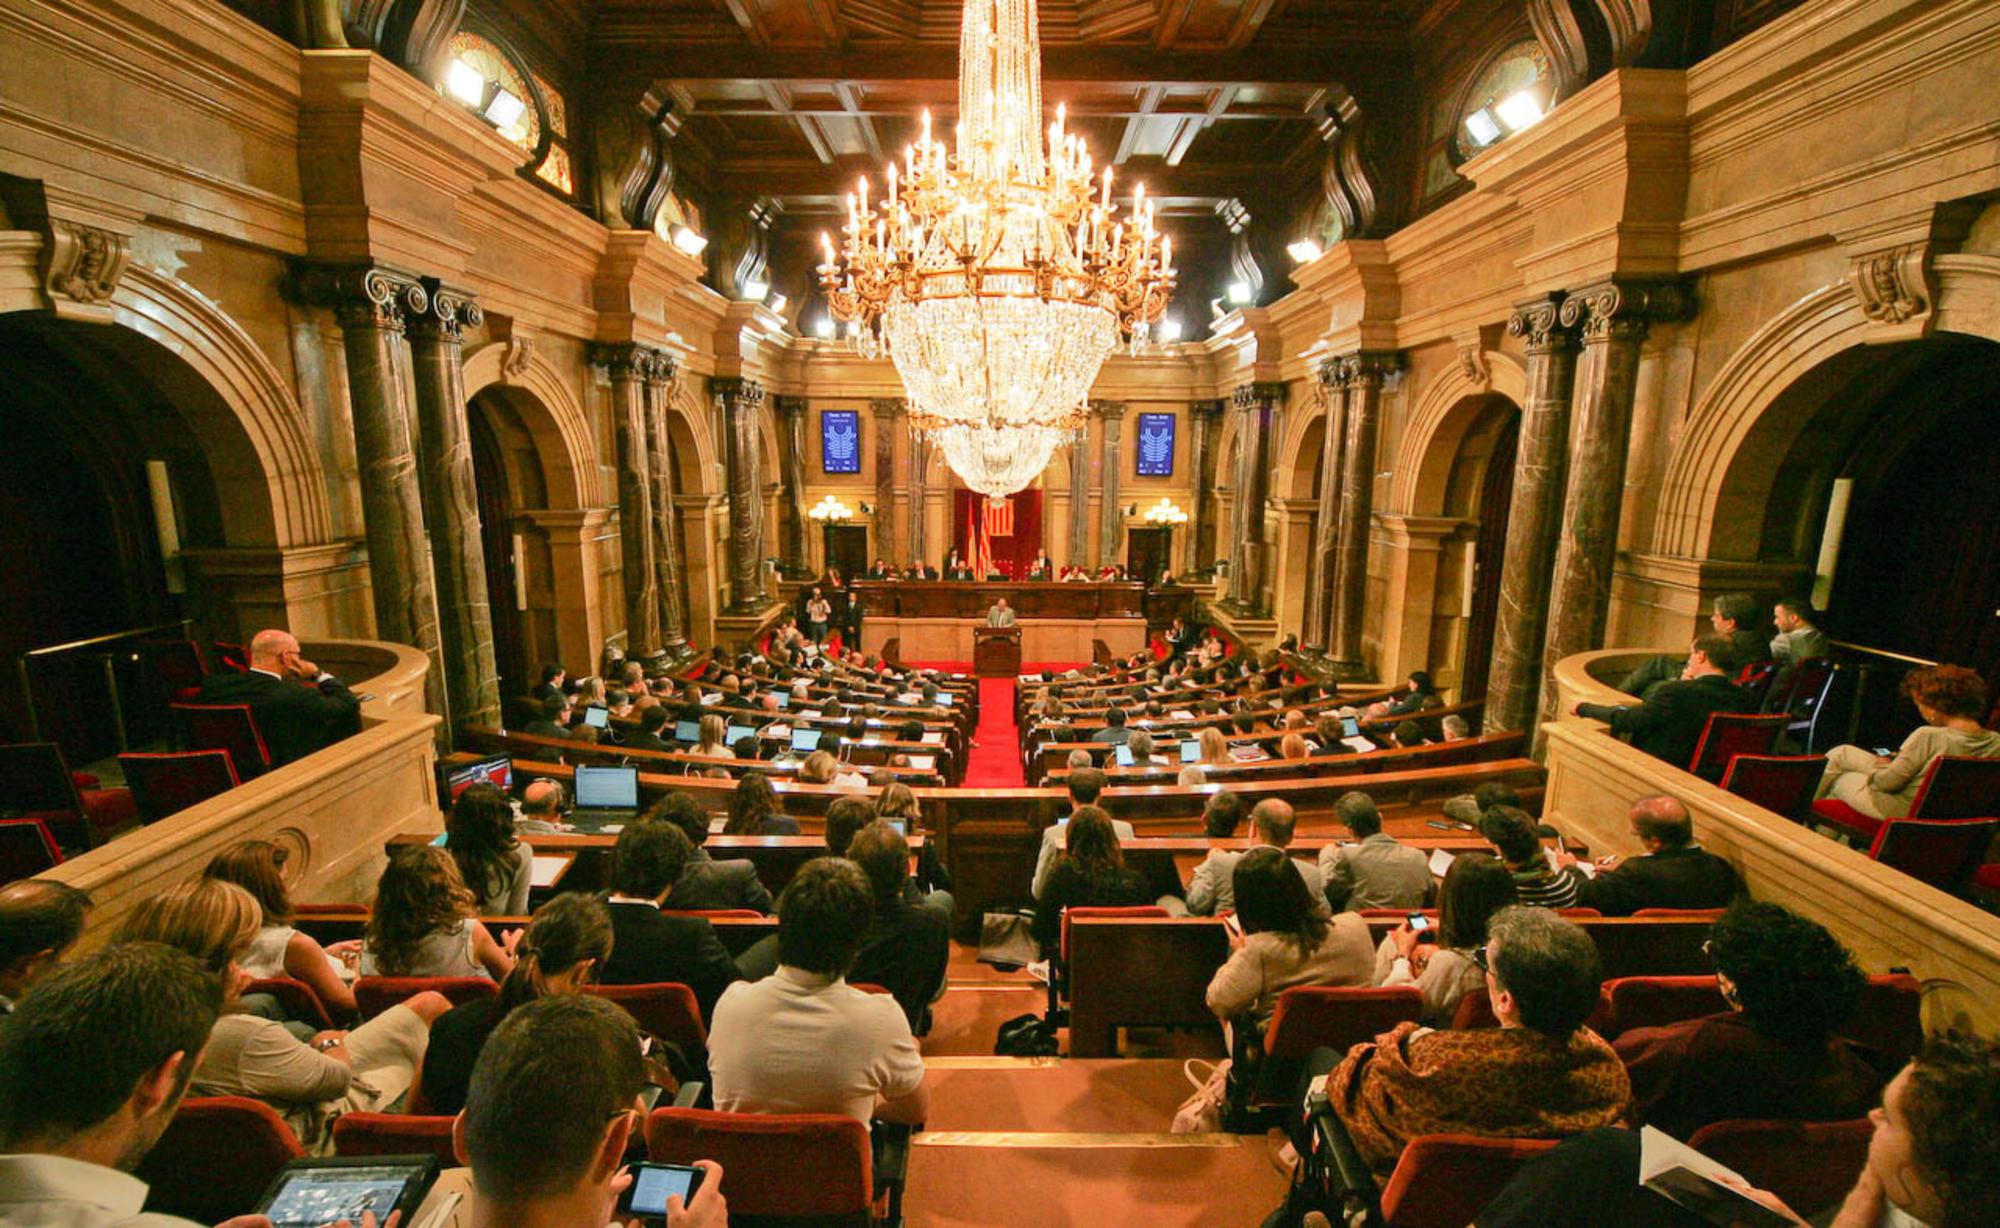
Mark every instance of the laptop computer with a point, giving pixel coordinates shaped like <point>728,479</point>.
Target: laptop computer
<point>805,741</point>
<point>606,794</point>
<point>1190,751</point>
<point>735,732</point>
<point>687,731</point>
<point>596,717</point>
<point>1124,755</point>
<point>784,699</point>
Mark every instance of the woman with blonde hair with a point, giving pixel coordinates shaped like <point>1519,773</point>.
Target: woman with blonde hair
<point>713,731</point>
<point>278,949</point>
<point>1293,746</point>
<point>818,769</point>
<point>310,1082</point>
<point>424,922</point>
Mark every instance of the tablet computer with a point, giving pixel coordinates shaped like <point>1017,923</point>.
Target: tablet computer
<point>1190,751</point>
<point>1124,754</point>
<point>316,1191</point>
<point>596,717</point>
<point>1349,727</point>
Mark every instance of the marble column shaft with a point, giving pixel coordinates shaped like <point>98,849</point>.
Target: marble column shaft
<point>1363,374</point>
<point>451,507</point>
<point>658,380</point>
<point>1110,460</point>
<point>792,471</point>
<point>920,463</point>
<point>1202,417</point>
<point>1534,524</point>
<point>888,415</point>
<point>371,306</point>
<point>626,365</point>
<point>1079,496</point>
<point>1256,408</point>
<point>741,399</point>
<point>1318,627</point>
<point>1612,318</point>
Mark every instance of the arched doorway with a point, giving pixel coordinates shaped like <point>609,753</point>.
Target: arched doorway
<point>507,476</point>
<point>1488,451</point>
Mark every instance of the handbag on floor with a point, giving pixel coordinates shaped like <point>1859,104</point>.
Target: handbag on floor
<point>1007,940</point>
<point>1028,1035</point>
<point>1201,1113</point>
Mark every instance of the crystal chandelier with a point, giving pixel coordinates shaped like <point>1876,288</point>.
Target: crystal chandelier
<point>994,278</point>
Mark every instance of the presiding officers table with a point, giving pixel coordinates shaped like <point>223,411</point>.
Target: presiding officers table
<point>935,619</point>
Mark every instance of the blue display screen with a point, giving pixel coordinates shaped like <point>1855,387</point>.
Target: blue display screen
<point>840,440</point>
<point>1156,445</point>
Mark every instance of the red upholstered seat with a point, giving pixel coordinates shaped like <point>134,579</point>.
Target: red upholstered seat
<point>1651,1001</point>
<point>37,783</point>
<point>27,848</point>
<point>1988,876</point>
<point>295,998</point>
<point>1728,734</point>
<point>1888,1019</point>
<point>1780,783</point>
<point>1809,1164</point>
<point>667,1010</point>
<point>170,782</point>
<point>1845,817</point>
<point>750,914</point>
<point>1475,1010</point>
<point>1322,1016</point>
<point>394,1134</point>
<point>1945,853</point>
<point>230,727</point>
<point>217,1157</point>
<point>1444,1180</point>
<point>1953,787</point>
<point>375,994</point>
<point>792,1165</point>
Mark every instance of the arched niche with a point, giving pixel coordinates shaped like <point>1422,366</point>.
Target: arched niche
<point>1452,404</point>
<point>542,407</point>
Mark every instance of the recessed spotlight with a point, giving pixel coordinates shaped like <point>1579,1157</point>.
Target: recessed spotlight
<point>1240,293</point>
<point>1482,127</point>
<point>1304,250</point>
<point>1519,110</point>
<point>463,82</point>
<point>505,110</point>
<point>687,240</point>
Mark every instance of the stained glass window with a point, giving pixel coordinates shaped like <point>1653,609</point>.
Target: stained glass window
<point>500,71</point>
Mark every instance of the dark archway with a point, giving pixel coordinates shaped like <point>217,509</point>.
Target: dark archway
<point>507,476</point>
<point>1489,550</point>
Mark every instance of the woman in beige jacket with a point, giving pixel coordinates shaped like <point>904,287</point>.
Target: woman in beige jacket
<point>1286,939</point>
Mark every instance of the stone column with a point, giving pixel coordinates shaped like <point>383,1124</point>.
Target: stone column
<point>888,416</point>
<point>658,376</point>
<point>1534,524</point>
<point>1363,374</point>
<point>371,306</point>
<point>1256,407</point>
<point>1079,495</point>
<point>1202,417</point>
<point>1612,318</point>
<point>920,463</point>
<point>792,472</point>
<point>1318,627</point>
<point>1110,461</point>
<point>451,506</point>
<point>626,365</point>
<point>740,400</point>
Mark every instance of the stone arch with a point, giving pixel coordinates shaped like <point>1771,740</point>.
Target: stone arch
<point>552,414</point>
<point>696,471</point>
<point>1716,491</point>
<point>239,407</point>
<point>1303,446</point>
<point>1450,405</point>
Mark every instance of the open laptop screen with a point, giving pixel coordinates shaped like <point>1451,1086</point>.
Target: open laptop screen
<point>805,741</point>
<point>607,788</point>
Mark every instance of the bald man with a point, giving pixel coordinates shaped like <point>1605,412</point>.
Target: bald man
<point>1675,872</point>
<point>299,706</point>
<point>40,920</point>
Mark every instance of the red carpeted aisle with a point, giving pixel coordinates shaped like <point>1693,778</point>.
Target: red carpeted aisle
<point>995,763</point>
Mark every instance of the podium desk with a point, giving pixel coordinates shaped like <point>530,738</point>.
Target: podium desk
<point>996,651</point>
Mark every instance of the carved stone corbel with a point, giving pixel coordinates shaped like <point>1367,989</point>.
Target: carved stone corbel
<point>637,168</point>
<point>86,245</point>
<point>1352,176</point>
<point>1472,362</point>
<point>1897,289</point>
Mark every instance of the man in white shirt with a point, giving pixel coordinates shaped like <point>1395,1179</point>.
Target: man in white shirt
<point>805,1041</point>
<point>93,1064</point>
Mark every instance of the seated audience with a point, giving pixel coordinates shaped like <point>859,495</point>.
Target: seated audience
<point>93,1065</point>
<point>1090,873</point>
<point>1085,784</point>
<point>1114,730</point>
<point>498,868</point>
<point>1293,746</point>
<point>298,706</point>
<point>907,944</point>
<point>1330,730</point>
<point>754,810</point>
<point>1540,1074</point>
<point>1469,808</point>
<point>1212,886</point>
<point>932,883</point>
<point>647,736</point>
<point>1419,693</point>
<point>257,866</point>
<point>553,1108</point>
<point>40,920</point>
<point>543,805</point>
<point>553,677</point>
<point>1213,752</point>
<point>844,817</point>
<point>1272,821</point>
<point>1674,872</point>
<point>424,923</point>
<point>1141,746</point>
<point>805,1041</point>
<point>1455,728</point>
<point>1516,836</point>
<point>1734,618</point>
<point>709,741</point>
<point>566,946</point>
<point>1668,725</point>
<point>553,721</point>
<point>1378,871</point>
<point>650,944</point>
<point>1775,1053</point>
<point>1589,1180</point>
<point>1447,969</point>
<point>309,1083</point>
<point>1798,640</point>
<point>1286,939</point>
<point>706,883</point>
<point>1951,699</point>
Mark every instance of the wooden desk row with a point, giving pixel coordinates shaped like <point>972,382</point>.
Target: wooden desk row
<point>971,599</point>
<point>1347,763</point>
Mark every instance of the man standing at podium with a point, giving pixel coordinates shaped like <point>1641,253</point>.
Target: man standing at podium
<point>1000,615</point>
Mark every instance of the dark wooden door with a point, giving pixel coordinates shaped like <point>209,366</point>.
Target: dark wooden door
<point>1147,554</point>
<point>846,549</point>
<point>496,537</point>
<point>1496,496</point>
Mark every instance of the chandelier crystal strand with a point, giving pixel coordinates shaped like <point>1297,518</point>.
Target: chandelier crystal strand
<point>997,278</point>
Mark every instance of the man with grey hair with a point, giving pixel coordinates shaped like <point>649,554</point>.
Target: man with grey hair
<point>1272,821</point>
<point>1674,872</point>
<point>1736,617</point>
<point>1542,976</point>
<point>1375,870</point>
<point>1455,728</point>
<point>1141,746</point>
<point>298,707</point>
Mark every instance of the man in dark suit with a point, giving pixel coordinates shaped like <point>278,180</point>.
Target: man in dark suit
<point>647,735</point>
<point>648,945</point>
<point>921,570</point>
<point>1733,616</point>
<point>1670,722</point>
<point>550,723</point>
<point>704,882</point>
<point>299,707</point>
<point>908,943</point>
<point>1675,872</point>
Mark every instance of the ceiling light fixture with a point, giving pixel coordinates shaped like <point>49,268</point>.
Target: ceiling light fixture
<point>1482,127</point>
<point>1304,250</point>
<point>824,328</point>
<point>754,291</point>
<point>687,240</point>
<point>1169,330</point>
<point>1240,294</point>
<point>465,83</point>
<point>997,278</point>
<point>1517,111</point>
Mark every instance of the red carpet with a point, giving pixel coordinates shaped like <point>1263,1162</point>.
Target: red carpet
<point>995,762</point>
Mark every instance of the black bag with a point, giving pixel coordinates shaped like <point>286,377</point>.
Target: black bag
<point>1026,1036</point>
